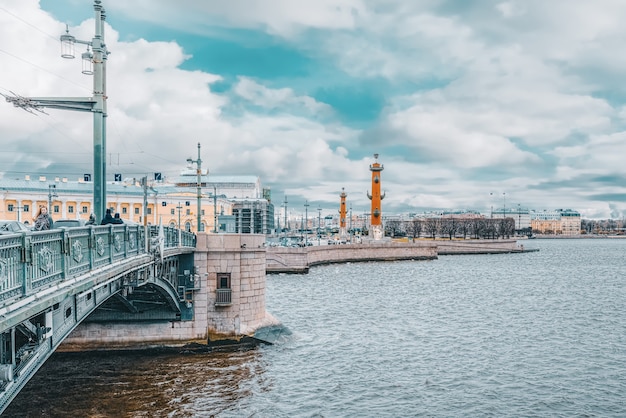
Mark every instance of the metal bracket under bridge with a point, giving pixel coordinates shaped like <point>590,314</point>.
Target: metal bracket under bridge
<point>51,281</point>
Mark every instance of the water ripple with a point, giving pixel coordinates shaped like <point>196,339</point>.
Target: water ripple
<point>535,334</point>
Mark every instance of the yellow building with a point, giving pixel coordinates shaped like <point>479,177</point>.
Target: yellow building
<point>173,203</point>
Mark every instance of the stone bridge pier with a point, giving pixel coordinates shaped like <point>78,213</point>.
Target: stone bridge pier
<point>227,301</point>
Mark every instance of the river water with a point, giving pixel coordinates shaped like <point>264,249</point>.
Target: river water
<point>534,334</point>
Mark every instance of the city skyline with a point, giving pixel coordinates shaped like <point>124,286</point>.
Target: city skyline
<point>467,105</point>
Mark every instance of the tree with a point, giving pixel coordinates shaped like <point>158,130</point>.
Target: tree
<point>449,227</point>
<point>414,228</point>
<point>392,228</point>
<point>432,227</point>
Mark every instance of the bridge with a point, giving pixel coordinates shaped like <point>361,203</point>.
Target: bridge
<point>51,281</point>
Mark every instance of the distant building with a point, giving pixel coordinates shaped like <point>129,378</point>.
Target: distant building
<point>170,202</point>
<point>520,215</point>
<point>558,222</point>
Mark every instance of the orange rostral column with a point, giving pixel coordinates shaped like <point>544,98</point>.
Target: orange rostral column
<point>376,225</point>
<point>342,215</point>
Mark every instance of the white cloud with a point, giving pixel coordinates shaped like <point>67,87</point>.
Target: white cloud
<point>281,17</point>
<point>283,98</point>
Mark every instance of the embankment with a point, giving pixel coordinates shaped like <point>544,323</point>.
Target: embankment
<point>300,259</point>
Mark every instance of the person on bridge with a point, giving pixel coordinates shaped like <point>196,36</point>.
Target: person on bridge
<point>92,220</point>
<point>108,219</point>
<point>117,219</point>
<point>43,220</point>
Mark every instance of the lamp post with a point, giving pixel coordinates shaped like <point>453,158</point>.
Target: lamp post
<point>503,205</point>
<point>52,192</point>
<point>491,200</point>
<point>351,223</point>
<point>179,207</point>
<point>198,164</point>
<point>319,225</point>
<point>93,64</point>
<point>285,225</point>
<point>215,209</point>
<point>306,223</point>
<point>519,217</point>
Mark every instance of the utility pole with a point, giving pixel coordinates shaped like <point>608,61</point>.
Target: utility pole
<point>93,64</point>
<point>319,225</point>
<point>306,223</point>
<point>52,192</point>
<point>285,226</point>
<point>144,184</point>
<point>214,209</point>
<point>179,207</point>
<point>351,223</point>
<point>198,163</point>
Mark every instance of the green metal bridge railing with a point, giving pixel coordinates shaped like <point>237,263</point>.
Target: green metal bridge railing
<point>31,261</point>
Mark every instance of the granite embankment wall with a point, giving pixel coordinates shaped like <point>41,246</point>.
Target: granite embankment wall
<point>299,260</point>
<point>487,246</point>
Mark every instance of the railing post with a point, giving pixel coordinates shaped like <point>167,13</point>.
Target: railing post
<point>111,240</point>
<point>27,260</point>
<point>65,251</point>
<point>92,245</point>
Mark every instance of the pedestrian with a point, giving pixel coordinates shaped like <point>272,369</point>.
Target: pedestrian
<point>117,219</point>
<point>43,220</point>
<point>108,219</point>
<point>92,220</point>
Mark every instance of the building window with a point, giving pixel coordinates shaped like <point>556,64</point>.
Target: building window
<point>202,212</point>
<point>188,226</point>
<point>11,208</point>
<point>124,210</point>
<point>26,208</point>
<point>172,211</point>
<point>223,280</point>
<point>149,211</point>
<point>70,209</point>
<point>136,211</point>
<point>188,212</point>
<point>85,209</point>
<point>57,209</point>
<point>223,293</point>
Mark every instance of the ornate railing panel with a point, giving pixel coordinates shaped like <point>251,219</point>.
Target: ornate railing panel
<point>46,259</point>
<point>12,270</point>
<point>77,249</point>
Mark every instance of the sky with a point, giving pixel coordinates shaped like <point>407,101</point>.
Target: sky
<point>470,105</point>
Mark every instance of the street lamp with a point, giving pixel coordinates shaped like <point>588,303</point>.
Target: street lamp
<point>179,207</point>
<point>285,225</point>
<point>52,192</point>
<point>503,205</point>
<point>93,64</point>
<point>319,225</point>
<point>198,164</point>
<point>306,223</point>
<point>350,223</point>
<point>214,209</point>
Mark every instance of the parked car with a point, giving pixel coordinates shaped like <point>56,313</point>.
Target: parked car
<point>69,223</point>
<point>12,227</point>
